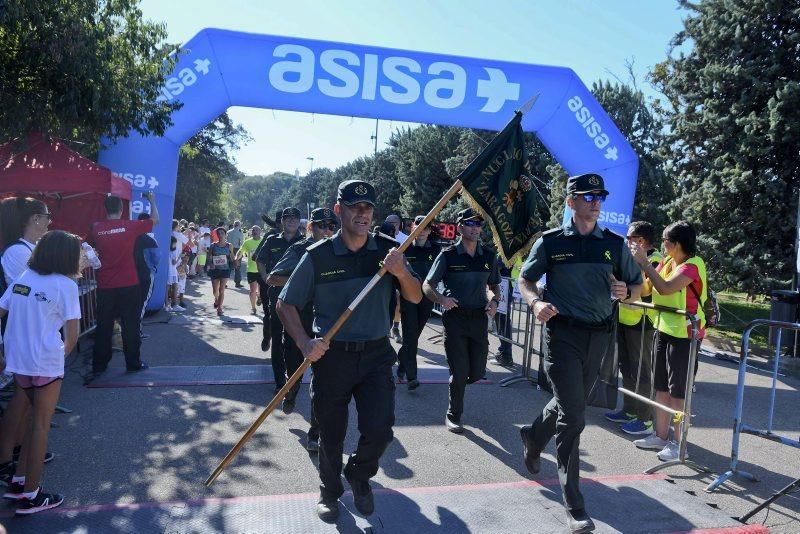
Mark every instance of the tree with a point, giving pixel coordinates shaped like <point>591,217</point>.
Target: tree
<point>81,69</point>
<point>204,165</point>
<point>251,196</point>
<point>733,111</point>
<point>420,154</point>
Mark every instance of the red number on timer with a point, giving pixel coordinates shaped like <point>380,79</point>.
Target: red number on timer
<point>447,230</point>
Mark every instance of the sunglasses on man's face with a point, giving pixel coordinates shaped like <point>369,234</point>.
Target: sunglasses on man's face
<point>591,197</point>
<point>48,215</point>
<point>326,226</point>
<point>472,223</point>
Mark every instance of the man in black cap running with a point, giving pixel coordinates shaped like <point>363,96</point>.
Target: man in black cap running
<point>586,266</point>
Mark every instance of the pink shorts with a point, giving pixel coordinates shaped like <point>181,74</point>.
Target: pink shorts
<point>28,382</point>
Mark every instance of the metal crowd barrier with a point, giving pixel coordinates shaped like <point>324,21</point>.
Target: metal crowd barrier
<point>740,427</point>
<point>87,294</point>
<point>684,415</point>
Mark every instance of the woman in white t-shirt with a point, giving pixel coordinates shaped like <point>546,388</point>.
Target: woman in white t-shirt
<point>39,303</point>
<point>24,221</point>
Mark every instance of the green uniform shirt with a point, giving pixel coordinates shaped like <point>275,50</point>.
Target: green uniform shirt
<point>292,257</point>
<point>273,249</point>
<point>331,276</point>
<point>465,277</point>
<point>248,247</point>
<point>578,269</point>
<point>421,258</point>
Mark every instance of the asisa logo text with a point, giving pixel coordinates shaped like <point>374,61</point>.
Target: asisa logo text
<point>591,127</point>
<point>614,217</point>
<point>184,78</point>
<point>392,79</point>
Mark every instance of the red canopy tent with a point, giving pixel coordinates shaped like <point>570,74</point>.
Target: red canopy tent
<point>72,186</point>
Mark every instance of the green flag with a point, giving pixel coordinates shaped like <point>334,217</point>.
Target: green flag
<point>498,185</point>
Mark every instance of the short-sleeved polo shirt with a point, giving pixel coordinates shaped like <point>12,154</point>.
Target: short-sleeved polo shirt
<point>578,269</point>
<point>292,257</point>
<point>273,248</point>
<point>421,257</point>
<point>465,277</point>
<point>330,275</point>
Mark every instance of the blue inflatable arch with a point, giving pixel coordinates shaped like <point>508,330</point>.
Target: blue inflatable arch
<point>221,68</point>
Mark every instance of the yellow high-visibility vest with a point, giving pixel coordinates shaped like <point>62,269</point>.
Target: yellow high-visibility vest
<point>631,315</point>
<point>670,323</point>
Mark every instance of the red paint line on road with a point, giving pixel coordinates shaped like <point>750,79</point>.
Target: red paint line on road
<point>295,496</point>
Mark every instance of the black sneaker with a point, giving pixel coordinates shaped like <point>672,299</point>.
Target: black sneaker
<point>42,501</point>
<point>503,361</point>
<point>328,511</point>
<point>453,424</point>
<point>530,453</point>
<point>142,366</point>
<point>264,344</point>
<point>413,384</point>
<point>288,405</point>
<point>313,445</point>
<point>362,496</point>
<point>579,522</point>
<point>14,491</point>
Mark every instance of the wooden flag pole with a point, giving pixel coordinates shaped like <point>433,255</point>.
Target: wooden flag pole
<point>297,375</point>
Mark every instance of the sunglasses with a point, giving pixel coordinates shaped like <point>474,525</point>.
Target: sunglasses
<point>634,237</point>
<point>472,223</point>
<point>591,197</point>
<point>48,215</point>
<point>326,226</point>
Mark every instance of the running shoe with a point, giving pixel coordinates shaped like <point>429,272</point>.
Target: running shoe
<point>178,308</point>
<point>671,451</point>
<point>651,442</point>
<point>42,501</point>
<point>637,427</point>
<point>620,416</point>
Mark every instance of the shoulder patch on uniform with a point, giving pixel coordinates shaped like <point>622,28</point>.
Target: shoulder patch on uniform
<point>20,289</point>
<point>611,233</point>
<point>319,243</point>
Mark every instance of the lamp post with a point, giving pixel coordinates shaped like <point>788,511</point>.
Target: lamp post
<point>311,165</point>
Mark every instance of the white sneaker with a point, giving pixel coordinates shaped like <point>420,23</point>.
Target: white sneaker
<point>167,308</point>
<point>177,308</point>
<point>671,452</point>
<point>651,442</point>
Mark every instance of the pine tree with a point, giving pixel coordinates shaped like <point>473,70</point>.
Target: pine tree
<point>734,126</point>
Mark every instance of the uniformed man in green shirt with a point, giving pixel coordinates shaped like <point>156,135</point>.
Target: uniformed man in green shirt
<point>355,363</point>
<point>267,255</point>
<point>420,256</point>
<point>587,268</point>
<point>471,293</point>
<point>323,224</point>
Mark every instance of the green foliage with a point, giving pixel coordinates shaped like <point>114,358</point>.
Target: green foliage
<point>253,195</point>
<point>205,164</point>
<point>81,69</point>
<point>734,121</point>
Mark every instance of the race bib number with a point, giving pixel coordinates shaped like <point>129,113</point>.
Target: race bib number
<point>219,261</point>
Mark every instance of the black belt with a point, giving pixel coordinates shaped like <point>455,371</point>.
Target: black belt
<point>467,312</point>
<point>359,346</point>
<point>571,321</point>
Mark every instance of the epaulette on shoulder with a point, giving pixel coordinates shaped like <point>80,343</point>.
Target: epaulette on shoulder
<point>611,233</point>
<point>385,237</point>
<point>319,243</point>
<point>552,233</point>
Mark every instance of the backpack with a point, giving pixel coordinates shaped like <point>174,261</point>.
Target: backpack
<point>710,307</point>
<point>3,285</point>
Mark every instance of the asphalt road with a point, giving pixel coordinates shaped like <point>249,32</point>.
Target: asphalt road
<point>158,444</point>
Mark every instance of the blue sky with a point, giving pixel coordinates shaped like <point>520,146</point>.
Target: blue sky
<point>593,38</point>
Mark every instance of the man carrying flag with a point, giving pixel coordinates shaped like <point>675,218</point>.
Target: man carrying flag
<point>587,268</point>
